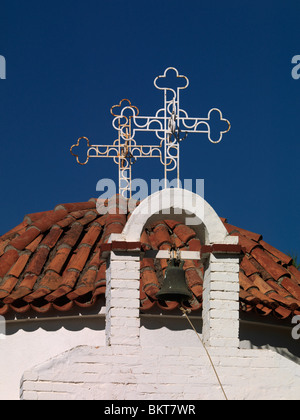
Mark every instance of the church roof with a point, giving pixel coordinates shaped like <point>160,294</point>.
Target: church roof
<point>53,260</point>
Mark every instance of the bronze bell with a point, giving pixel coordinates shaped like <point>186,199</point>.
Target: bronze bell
<point>174,287</point>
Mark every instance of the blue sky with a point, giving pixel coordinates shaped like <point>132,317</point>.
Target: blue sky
<point>69,61</point>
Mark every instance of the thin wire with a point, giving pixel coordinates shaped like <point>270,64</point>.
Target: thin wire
<point>208,355</point>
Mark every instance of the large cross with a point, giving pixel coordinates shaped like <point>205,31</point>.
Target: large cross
<point>171,125</point>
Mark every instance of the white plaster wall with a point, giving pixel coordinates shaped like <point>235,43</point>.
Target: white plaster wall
<point>27,344</point>
<point>168,332</point>
<point>159,372</point>
<point>30,343</point>
<point>169,363</point>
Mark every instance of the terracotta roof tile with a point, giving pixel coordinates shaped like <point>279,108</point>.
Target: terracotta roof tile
<point>19,266</point>
<point>247,267</point>
<point>194,280</point>
<point>101,275</point>
<point>251,300</point>
<point>292,286</point>
<point>245,282</point>
<point>91,236</point>
<point>28,282</point>
<point>70,278</point>
<point>32,217</point>
<point>85,285</point>
<point>282,312</point>
<point>48,220</point>
<point>38,260</point>
<point>19,307</point>
<point>7,285</point>
<point>250,235</point>
<point>152,240</point>
<point>52,237</point>
<point>145,242</point>
<point>50,282</point>
<point>25,238</point>
<point>167,306</point>
<point>262,285</point>
<point>63,305</point>
<point>172,223</point>
<point>3,245</point>
<point>34,244</point>
<point>278,288</point>
<point>161,234</point>
<point>70,207</point>
<point>262,272</point>
<point>264,310</point>
<point>276,270</point>
<point>59,260</point>
<point>194,245</point>
<point>150,282</point>
<point>52,260</point>
<point>78,260</point>
<point>247,244</point>
<point>41,306</point>
<point>88,218</point>
<point>65,222</point>
<point>7,260</point>
<point>96,259</point>
<point>4,308</point>
<point>15,231</point>
<point>15,295</point>
<point>185,233</point>
<point>72,235</point>
<point>294,272</point>
<point>288,302</point>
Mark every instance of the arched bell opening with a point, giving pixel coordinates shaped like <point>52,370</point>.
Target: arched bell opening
<point>162,241</point>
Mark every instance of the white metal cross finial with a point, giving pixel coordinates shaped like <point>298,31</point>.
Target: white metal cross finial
<point>171,125</point>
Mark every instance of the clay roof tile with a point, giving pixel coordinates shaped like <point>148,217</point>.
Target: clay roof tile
<point>52,260</point>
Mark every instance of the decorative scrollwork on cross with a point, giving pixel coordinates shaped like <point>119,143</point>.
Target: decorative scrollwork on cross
<point>124,151</point>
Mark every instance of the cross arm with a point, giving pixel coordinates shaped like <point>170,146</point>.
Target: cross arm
<point>117,151</point>
<point>202,125</point>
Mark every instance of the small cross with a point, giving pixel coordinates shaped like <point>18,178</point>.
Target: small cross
<point>124,150</point>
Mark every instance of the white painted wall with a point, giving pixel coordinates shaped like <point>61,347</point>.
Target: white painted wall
<point>167,344</point>
<point>29,343</point>
<point>161,372</point>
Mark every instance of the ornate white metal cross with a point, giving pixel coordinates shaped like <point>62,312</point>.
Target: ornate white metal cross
<point>171,125</point>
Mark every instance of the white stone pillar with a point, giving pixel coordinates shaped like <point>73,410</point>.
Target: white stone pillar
<point>221,301</point>
<point>123,298</point>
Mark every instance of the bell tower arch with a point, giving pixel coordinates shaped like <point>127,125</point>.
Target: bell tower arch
<point>219,255</point>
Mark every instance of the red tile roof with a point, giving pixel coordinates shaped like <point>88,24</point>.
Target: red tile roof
<point>53,260</point>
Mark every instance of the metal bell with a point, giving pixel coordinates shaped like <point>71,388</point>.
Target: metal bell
<point>174,287</point>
